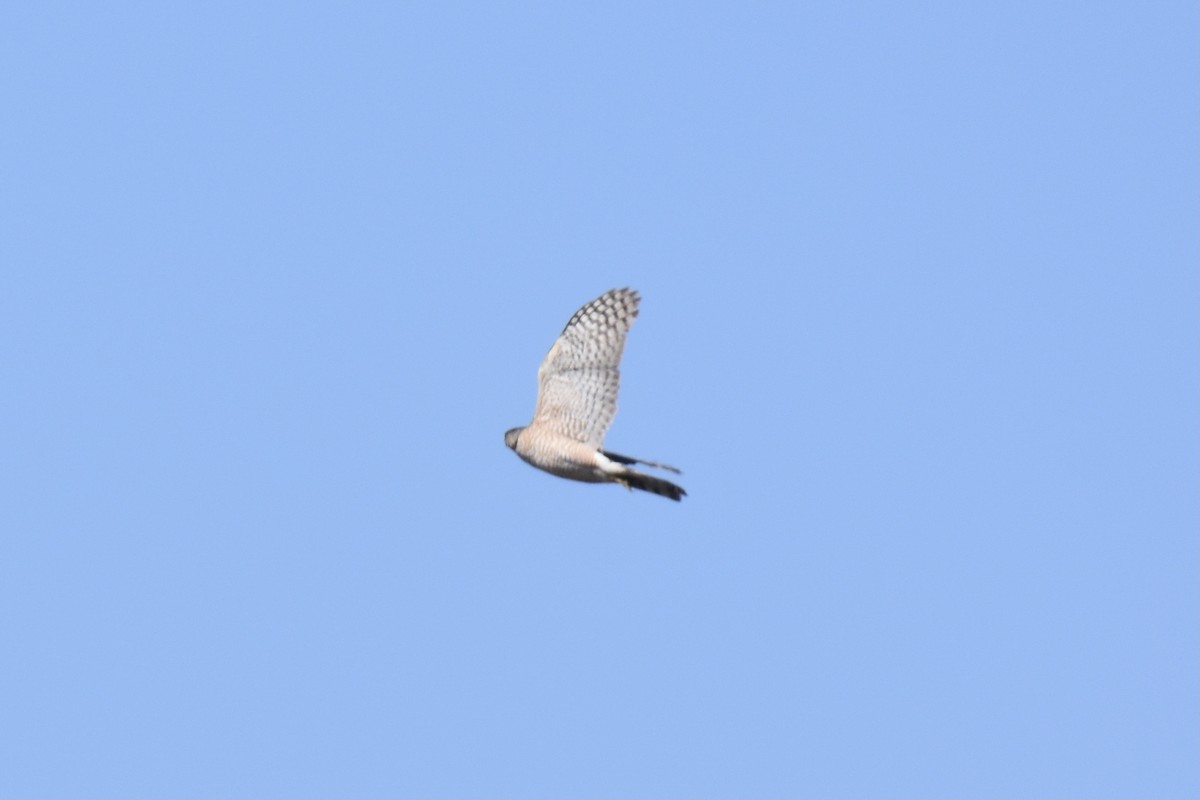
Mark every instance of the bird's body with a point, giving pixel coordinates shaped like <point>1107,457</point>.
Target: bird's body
<point>577,399</point>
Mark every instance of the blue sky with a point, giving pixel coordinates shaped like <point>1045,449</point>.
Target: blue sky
<point>920,325</point>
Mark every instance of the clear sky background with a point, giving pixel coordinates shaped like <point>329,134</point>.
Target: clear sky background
<point>920,325</point>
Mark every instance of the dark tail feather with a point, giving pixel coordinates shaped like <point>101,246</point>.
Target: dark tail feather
<point>649,483</point>
<point>620,459</point>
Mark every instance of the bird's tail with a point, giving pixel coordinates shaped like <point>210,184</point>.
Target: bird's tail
<point>649,483</point>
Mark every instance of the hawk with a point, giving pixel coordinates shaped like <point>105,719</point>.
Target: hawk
<point>577,399</point>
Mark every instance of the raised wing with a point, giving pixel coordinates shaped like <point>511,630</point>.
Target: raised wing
<point>579,378</point>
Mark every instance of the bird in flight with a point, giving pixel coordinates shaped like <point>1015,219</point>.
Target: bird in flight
<point>577,399</point>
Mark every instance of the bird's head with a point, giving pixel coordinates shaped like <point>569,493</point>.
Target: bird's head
<point>511,435</point>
